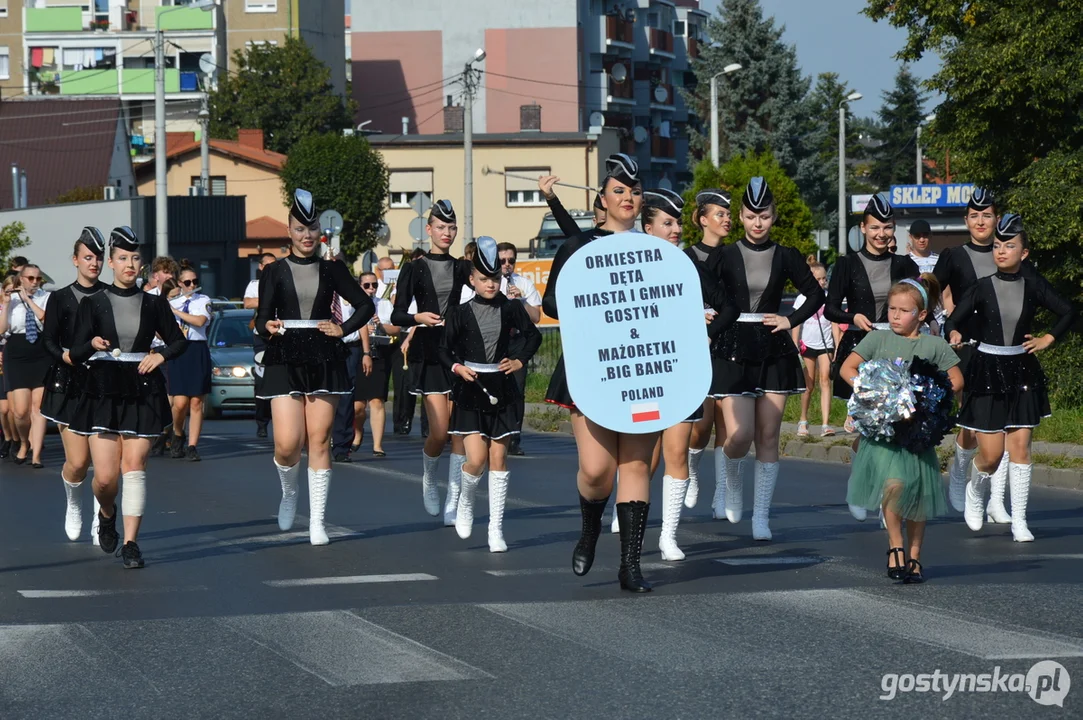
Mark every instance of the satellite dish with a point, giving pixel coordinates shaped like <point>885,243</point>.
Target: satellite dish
<point>855,239</point>
<point>207,64</point>
<point>383,233</point>
<point>661,94</point>
<point>641,134</point>
<point>619,73</point>
<point>331,220</point>
<point>597,119</point>
<point>665,184</point>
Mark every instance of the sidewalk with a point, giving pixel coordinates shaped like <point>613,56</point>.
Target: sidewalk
<point>549,418</point>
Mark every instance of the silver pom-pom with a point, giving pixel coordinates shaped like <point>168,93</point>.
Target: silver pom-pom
<point>882,396</point>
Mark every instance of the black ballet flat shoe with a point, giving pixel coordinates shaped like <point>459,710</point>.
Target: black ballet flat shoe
<point>899,556</point>
<point>379,453</point>
<point>632,517</point>
<point>583,555</point>
<point>20,460</point>
<point>38,465</point>
<point>913,573</point>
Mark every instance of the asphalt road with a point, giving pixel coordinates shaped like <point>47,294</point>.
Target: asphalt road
<point>399,618</point>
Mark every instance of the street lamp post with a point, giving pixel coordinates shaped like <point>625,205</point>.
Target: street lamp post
<point>161,187</point>
<point>919,174</point>
<point>468,146</point>
<point>733,67</point>
<point>842,169</point>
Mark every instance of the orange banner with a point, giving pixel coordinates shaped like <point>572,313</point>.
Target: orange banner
<point>537,271</point>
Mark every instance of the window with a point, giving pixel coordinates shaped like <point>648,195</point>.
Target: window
<point>405,186</point>
<point>218,184</point>
<point>678,28</point>
<point>260,6</point>
<point>5,63</point>
<point>524,193</point>
<point>3,8</point>
<point>249,44</point>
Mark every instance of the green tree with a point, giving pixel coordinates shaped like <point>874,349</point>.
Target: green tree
<point>761,105</point>
<point>284,91</point>
<point>83,193</point>
<point>794,224</point>
<point>900,115</point>
<point>345,174</point>
<point>12,237</point>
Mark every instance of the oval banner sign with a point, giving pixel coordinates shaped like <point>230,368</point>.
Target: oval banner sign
<point>633,332</point>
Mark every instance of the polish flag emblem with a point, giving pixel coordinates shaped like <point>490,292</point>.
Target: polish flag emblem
<point>645,412</point>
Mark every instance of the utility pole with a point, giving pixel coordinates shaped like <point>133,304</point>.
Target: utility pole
<point>205,146</point>
<point>161,188</point>
<point>842,169</point>
<point>732,67</point>
<point>468,146</point>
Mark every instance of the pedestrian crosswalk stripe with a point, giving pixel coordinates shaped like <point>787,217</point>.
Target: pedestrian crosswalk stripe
<point>350,580</point>
<point>59,594</point>
<point>770,560</point>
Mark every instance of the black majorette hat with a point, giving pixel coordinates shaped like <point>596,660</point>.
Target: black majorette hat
<point>713,196</point>
<point>622,168</point>
<point>442,210</point>
<point>758,196</point>
<point>486,258</point>
<point>124,238</point>
<point>1009,225</point>
<point>304,208</point>
<point>598,203</point>
<point>667,201</point>
<point>879,207</point>
<point>980,199</point>
<point>93,240</point>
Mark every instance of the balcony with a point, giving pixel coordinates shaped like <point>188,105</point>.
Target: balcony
<point>619,32</point>
<point>54,19</point>
<point>662,97</point>
<point>693,48</point>
<point>663,150</point>
<point>90,82</point>
<point>661,43</point>
<point>140,81</point>
<point>174,18</point>
<point>129,81</point>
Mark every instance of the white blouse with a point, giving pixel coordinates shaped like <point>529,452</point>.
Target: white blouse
<point>17,314</point>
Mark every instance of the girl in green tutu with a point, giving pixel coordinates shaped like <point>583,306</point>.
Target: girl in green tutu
<point>904,484</point>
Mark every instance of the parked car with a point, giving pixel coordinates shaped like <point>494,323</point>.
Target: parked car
<point>232,365</point>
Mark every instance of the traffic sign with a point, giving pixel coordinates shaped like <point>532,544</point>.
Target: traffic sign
<point>420,202</point>
<point>331,220</point>
<point>417,229</point>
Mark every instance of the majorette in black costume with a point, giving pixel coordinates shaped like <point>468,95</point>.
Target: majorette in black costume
<point>756,356</point>
<point>863,280</point>
<point>475,345</point>
<point>64,381</point>
<point>125,393</point>
<point>305,358</point>
<point>435,283</point>
<point>1006,387</point>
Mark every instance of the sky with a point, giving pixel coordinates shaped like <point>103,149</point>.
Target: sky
<point>833,36</point>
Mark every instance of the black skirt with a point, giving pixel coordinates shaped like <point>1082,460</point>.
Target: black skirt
<point>557,393</point>
<point>1005,392</point>
<point>374,386</point>
<point>25,363</point>
<point>64,386</point>
<point>473,412</point>
<point>426,374</point>
<point>847,343</point>
<point>749,360</point>
<point>189,374</point>
<point>118,400</point>
<point>304,362</point>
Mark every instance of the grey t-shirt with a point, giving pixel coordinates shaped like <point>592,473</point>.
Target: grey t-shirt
<point>127,313</point>
<point>488,317</point>
<point>1010,301</point>
<point>757,272</point>
<point>306,280</point>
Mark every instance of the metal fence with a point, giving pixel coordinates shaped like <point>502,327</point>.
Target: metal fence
<point>545,360</point>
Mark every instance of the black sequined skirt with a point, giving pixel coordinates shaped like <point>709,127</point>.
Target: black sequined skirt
<point>64,386</point>
<point>117,399</point>
<point>1003,392</point>
<point>557,393</point>
<point>473,412</point>
<point>304,361</point>
<point>847,343</point>
<point>749,360</point>
<point>426,375</point>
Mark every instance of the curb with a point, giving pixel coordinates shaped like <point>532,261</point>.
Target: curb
<point>1063,479</point>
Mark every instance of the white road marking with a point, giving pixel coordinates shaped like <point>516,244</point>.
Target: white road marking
<point>770,560</point>
<point>552,571</point>
<point>350,580</point>
<point>57,594</point>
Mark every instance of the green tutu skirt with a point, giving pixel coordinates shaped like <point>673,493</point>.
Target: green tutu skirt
<point>909,483</point>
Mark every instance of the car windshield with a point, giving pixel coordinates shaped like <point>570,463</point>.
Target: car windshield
<point>231,331</point>
<point>551,237</point>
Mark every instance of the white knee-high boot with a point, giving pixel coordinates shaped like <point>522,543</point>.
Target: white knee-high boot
<point>464,515</point>
<point>957,477</point>
<point>859,513</point>
<point>430,492</point>
<point>718,504</point>
<point>673,493</point>
<point>498,495</point>
<point>454,485</point>
<point>735,488</point>
<point>766,477</point>
<point>974,509</point>
<point>1019,482</point>
<point>94,523</point>
<point>73,515</point>
<point>319,482</point>
<point>691,496</point>
<point>287,509</point>
<point>998,483</point>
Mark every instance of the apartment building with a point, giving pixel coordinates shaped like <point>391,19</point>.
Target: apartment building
<point>95,48</point>
<point>582,63</point>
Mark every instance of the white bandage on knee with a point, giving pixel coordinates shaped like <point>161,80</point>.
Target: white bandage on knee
<point>133,498</point>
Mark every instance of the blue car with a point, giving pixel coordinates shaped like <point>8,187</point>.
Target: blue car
<point>232,380</point>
